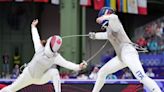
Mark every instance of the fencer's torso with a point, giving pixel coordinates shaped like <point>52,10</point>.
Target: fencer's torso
<point>116,34</point>
<point>40,63</point>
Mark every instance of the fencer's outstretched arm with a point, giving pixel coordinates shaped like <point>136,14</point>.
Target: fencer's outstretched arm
<point>35,35</point>
<point>59,60</point>
<point>98,35</point>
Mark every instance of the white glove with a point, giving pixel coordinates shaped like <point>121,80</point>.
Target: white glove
<point>34,23</point>
<point>92,35</point>
<point>83,65</point>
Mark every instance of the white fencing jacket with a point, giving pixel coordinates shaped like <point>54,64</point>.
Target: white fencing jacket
<point>40,63</point>
<point>115,33</point>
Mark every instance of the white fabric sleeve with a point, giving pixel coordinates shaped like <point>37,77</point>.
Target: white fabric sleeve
<point>36,38</point>
<point>59,60</point>
<point>101,36</point>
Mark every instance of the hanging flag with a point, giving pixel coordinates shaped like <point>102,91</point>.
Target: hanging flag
<point>5,0</point>
<point>122,6</point>
<point>22,0</point>
<point>142,7</point>
<point>19,0</point>
<point>41,1</point>
<point>85,2</point>
<point>132,6</point>
<point>55,2</point>
<point>111,4</point>
<point>98,4</point>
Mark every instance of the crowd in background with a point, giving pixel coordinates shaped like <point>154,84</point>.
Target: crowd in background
<point>6,65</point>
<point>153,37</point>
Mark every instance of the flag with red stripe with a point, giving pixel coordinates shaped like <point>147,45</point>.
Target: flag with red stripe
<point>85,2</point>
<point>98,4</point>
<point>142,7</point>
<point>122,5</point>
<point>41,1</point>
<point>22,0</point>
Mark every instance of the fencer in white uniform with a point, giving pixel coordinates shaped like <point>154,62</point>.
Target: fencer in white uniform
<point>126,53</point>
<point>40,69</point>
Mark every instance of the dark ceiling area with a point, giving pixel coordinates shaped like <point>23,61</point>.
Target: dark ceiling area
<point>156,6</point>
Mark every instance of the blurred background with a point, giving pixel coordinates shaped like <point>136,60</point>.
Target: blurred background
<point>143,21</point>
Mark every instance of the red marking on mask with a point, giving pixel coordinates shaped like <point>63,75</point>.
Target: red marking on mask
<point>53,41</point>
<point>59,41</point>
